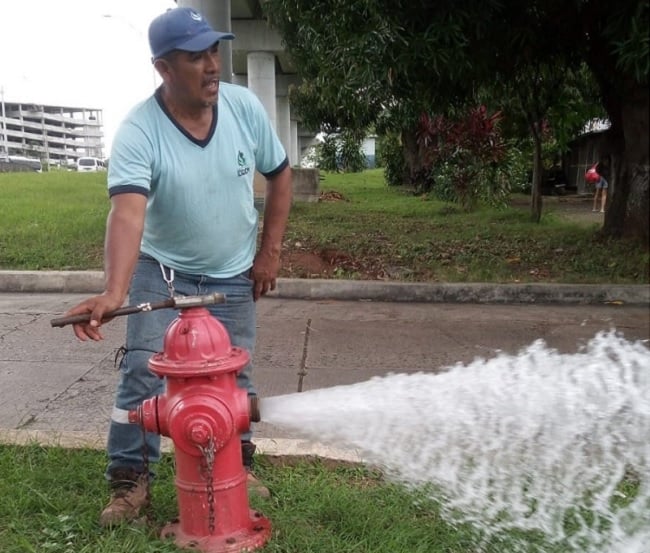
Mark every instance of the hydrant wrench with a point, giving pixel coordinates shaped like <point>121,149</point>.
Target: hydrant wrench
<point>176,302</point>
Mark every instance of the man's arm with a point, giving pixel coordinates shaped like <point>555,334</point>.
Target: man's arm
<point>122,245</point>
<point>276,212</point>
<point>124,228</point>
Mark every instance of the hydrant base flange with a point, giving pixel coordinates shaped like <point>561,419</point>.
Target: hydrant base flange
<point>241,541</point>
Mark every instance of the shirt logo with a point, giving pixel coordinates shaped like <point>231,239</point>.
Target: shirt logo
<point>244,169</point>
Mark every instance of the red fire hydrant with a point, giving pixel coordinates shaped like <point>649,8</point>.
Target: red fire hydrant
<point>204,412</point>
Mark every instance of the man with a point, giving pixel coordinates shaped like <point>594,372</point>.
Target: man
<point>182,221</point>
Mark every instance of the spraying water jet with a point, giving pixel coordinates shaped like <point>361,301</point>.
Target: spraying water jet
<point>515,443</point>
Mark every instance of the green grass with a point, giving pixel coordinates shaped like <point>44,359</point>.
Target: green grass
<point>52,220</point>
<point>388,232</point>
<point>51,499</point>
<point>56,221</point>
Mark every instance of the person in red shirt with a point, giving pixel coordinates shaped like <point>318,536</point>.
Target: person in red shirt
<point>594,175</point>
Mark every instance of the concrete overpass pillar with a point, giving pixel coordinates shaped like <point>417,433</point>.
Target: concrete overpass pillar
<point>261,80</point>
<point>240,79</point>
<point>284,125</point>
<point>217,12</point>
<point>294,155</point>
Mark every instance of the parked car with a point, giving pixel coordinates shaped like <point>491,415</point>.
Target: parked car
<point>22,163</point>
<point>90,164</point>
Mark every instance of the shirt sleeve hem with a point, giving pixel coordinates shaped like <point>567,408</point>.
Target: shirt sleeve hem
<point>127,189</point>
<point>278,169</point>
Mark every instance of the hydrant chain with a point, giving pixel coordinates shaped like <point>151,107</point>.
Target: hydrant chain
<point>208,457</point>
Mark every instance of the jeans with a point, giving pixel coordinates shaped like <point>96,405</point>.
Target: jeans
<point>144,337</point>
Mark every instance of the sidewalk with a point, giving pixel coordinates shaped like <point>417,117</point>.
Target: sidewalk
<point>311,333</point>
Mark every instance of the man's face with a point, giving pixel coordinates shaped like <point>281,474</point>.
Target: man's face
<point>193,77</point>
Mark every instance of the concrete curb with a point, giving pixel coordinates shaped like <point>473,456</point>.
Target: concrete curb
<point>462,292</point>
<point>97,440</point>
<point>90,282</point>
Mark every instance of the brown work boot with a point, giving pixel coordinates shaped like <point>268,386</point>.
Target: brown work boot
<point>255,487</point>
<point>129,496</point>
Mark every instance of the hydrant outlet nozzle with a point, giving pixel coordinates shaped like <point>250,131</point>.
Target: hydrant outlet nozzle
<point>254,409</point>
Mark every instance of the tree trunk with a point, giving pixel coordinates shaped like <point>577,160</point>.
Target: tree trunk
<point>629,211</point>
<point>416,173</point>
<point>536,189</point>
<point>627,104</point>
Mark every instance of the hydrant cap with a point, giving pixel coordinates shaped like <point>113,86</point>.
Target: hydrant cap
<point>196,341</point>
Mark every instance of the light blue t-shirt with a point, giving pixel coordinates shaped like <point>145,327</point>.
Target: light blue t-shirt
<point>200,217</point>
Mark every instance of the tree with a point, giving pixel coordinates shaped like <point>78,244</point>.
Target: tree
<point>548,104</point>
<point>362,57</point>
<point>612,40</point>
<point>617,49</point>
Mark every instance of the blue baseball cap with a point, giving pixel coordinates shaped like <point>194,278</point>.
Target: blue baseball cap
<point>182,29</point>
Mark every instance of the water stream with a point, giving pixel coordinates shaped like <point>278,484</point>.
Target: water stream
<point>515,442</point>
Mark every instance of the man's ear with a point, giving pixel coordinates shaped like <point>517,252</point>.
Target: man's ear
<point>163,67</point>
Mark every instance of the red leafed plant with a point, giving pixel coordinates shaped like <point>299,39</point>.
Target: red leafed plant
<point>460,155</point>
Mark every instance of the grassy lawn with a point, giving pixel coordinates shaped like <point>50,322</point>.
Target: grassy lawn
<point>51,499</point>
<point>361,229</point>
<point>52,220</point>
<point>372,231</point>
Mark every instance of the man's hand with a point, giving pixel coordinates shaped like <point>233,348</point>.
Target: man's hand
<point>96,306</point>
<point>264,273</point>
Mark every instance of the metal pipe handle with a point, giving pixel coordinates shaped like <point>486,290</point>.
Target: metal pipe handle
<point>177,302</point>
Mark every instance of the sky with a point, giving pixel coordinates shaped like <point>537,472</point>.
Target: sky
<point>86,53</point>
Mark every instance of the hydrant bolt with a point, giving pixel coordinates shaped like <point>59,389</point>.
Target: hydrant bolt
<point>200,433</point>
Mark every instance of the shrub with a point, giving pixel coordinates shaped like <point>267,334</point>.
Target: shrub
<point>326,153</point>
<point>462,157</point>
<point>391,156</point>
<point>341,152</point>
<point>353,160</point>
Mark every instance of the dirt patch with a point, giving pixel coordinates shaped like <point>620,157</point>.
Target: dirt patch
<point>304,264</point>
<point>298,262</point>
<point>571,207</point>
<point>332,196</point>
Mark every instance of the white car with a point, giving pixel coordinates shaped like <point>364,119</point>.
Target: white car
<point>90,164</point>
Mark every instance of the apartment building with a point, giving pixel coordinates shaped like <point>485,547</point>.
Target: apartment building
<point>57,135</point>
